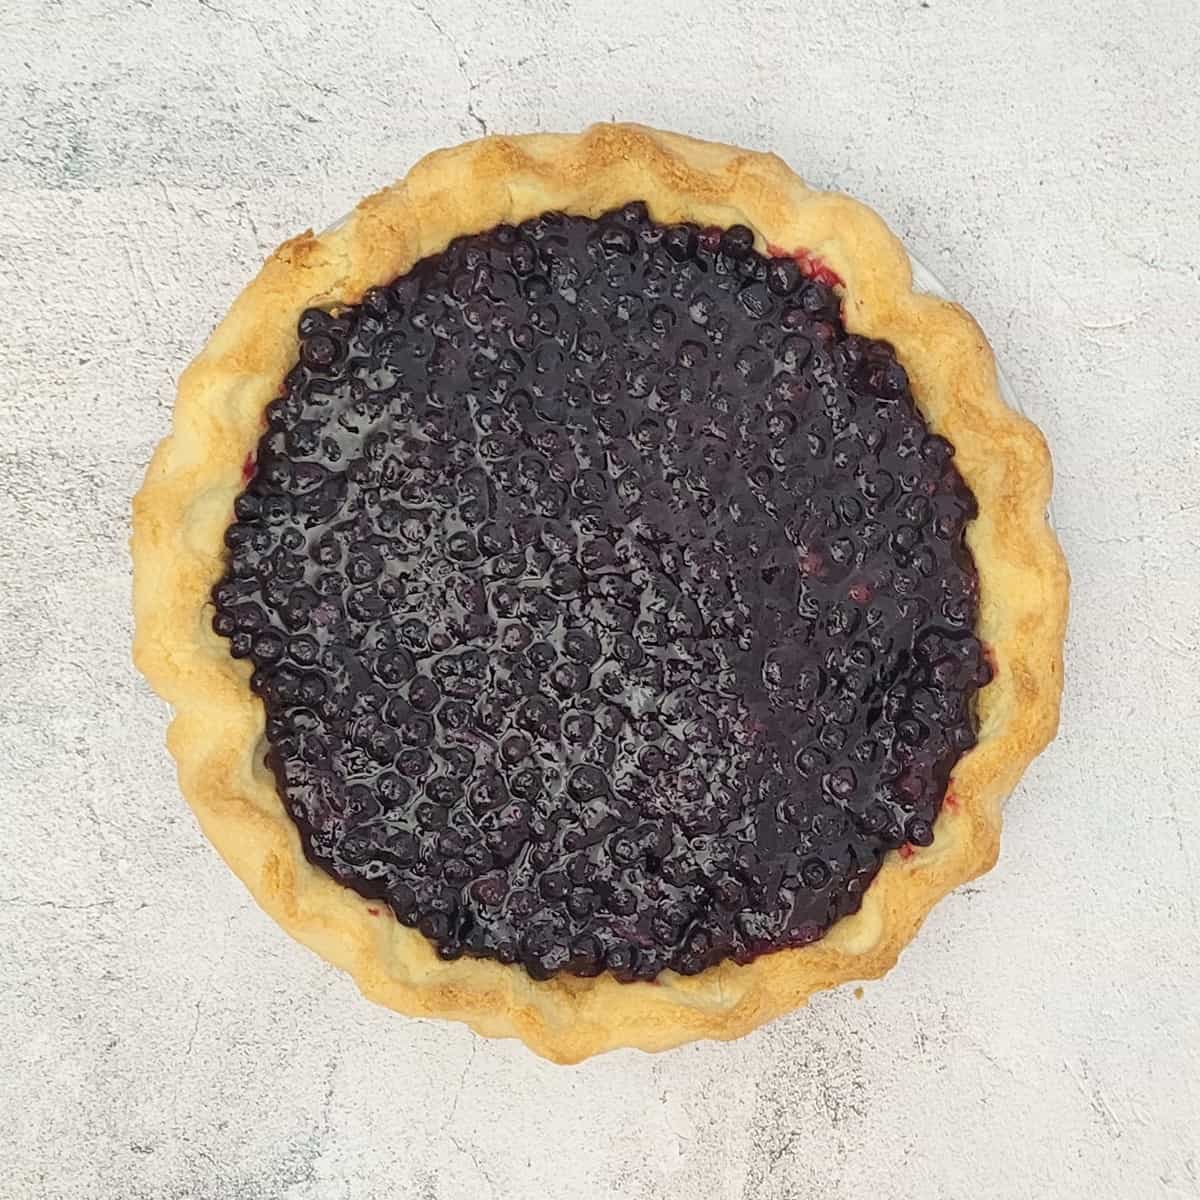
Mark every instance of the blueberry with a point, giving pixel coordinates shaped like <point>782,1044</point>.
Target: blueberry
<point>737,241</point>
<point>586,783</point>
<point>515,749</point>
<point>679,241</point>
<point>541,655</point>
<point>313,321</point>
<point>377,302</point>
<point>319,351</point>
<point>783,276</point>
<point>424,694</point>
<point>617,240</point>
<point>919,832</point>
<point>578,729</point>
<point>463,546</point>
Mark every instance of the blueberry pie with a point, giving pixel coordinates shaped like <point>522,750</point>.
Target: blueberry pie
<point>601,601</point>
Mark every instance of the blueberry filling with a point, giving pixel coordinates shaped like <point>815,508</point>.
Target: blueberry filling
<point>608,601</point>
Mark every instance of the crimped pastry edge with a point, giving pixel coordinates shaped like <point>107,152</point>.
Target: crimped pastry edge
<point>216,737</point>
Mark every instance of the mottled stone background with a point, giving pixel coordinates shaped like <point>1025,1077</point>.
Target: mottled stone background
<point>160,1038</point>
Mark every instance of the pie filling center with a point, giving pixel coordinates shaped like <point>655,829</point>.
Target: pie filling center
<point>608,601</point>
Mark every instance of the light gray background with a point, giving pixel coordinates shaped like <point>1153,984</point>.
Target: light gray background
<point>160,1038</point>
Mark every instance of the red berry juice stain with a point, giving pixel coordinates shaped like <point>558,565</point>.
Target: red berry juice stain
<point>810,264</point>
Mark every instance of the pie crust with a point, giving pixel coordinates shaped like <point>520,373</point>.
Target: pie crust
<point>217,736</point>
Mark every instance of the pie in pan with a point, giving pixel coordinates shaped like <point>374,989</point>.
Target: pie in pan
<point>601,602</point>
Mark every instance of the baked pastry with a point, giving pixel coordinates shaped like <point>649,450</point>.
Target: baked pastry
<point>601,602</point>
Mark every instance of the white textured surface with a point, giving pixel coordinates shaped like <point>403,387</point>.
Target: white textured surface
<point>160,1038</point>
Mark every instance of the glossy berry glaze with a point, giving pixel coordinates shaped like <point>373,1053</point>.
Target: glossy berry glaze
<point>608,601</point>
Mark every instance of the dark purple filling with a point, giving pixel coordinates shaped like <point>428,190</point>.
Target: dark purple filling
<point>608,601</point>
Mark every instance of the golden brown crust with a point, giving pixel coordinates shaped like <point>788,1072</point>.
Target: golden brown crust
<point>217,735</point>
